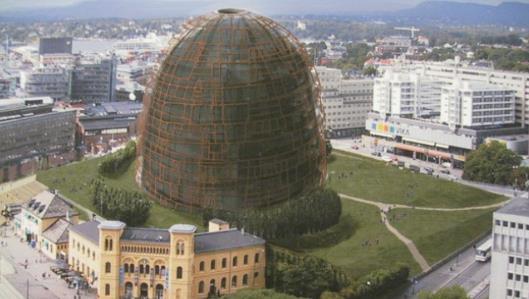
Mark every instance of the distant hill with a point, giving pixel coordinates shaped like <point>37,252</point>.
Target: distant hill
<point>430,12</point>
<point>445,12</point>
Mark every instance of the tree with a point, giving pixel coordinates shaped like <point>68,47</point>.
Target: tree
<point>119,161</point>
<point>370,71</point>
<point>491,163</point>
<point>455,292</point>
<point>258,294</point>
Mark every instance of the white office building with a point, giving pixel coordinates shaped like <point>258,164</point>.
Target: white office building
<point>448,70</point>
<point>472,104</point>
<point>406,93</point>
<point>52,82</point>
<point>509,277</point>
<point>346,102</point>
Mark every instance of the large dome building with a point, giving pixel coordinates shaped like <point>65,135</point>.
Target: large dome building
<point>234,120</point>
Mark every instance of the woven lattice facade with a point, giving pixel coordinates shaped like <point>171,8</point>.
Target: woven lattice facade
<point>234,119</point>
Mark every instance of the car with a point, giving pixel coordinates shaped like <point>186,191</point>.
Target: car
<point>428,169</point>
<point>355,147</point>
<point>445,171</point>
<point>414,168</point>
<point>375,154</point>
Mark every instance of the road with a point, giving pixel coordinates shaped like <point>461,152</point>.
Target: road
<point>461,270</point>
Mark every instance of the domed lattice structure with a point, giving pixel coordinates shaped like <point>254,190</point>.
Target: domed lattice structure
<point>234,120</point>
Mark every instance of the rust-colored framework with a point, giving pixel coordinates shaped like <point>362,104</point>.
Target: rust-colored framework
<point>235,118</point>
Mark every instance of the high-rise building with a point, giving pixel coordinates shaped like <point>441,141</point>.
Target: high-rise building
<point>55,45</point>
<point>407,94</point>
<point>473,104</point>
<point>509,275</point>
<point>94,79</point>
<point>52,82</point>
<point>346,102</point>
<point>235,117</point>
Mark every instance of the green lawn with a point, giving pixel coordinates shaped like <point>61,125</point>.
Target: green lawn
<point>72,180</point>
<point>374,180</point>
<point>437,234</point>
<point>358,259</point>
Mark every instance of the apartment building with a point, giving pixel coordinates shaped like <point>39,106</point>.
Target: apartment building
<point>509,277</point>
<point>346,102</point>
<point>52,82</point>
<point>94,79</point>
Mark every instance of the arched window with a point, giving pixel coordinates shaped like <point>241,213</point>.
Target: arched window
<point>224,262</point>
<point>162,270</point>
<point>131,268</point>
<point>234,281</point>
<point>179,272</point>
<point>223,283</point>
<point>234,264</point>
<point>256,258</point>
<point>107,267</point>
<point>212,265</point>
<point>107,289</point>
<point>245,259</point>
<point>201,266</point>
<point>108,244</point>
<point>180,247</point>
<point>201,287</point>
<point>126,268</point>
<point>156,270</point>
<point>147,269</point>
<point>141,269</point>
<point>245,280</point>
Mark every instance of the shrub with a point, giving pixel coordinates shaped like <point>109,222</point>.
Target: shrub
<point>118,162</point>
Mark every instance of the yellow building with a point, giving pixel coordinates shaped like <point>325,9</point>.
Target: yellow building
<point>125,262</point>
<point>44,221</point>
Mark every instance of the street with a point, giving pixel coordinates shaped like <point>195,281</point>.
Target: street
<point>461,270</point>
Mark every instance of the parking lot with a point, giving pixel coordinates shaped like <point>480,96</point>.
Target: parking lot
<point>356,146</point>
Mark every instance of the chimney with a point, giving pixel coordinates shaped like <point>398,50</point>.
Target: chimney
<point>217,225</point>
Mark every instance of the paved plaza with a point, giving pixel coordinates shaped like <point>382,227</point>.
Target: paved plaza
<point>14,257</point>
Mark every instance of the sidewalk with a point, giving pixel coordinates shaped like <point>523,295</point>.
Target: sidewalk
<point>16,253</point>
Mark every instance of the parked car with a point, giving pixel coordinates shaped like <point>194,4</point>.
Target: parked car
<point>445,171</point>
<point>414,168</point>
<point>428,170</point>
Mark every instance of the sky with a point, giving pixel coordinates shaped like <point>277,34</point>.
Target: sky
<point>373,4</point>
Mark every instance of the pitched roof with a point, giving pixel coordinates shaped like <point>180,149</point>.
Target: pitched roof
<point>58,231</point>
<point>88,230</point>
<point>140,234</point>
<point>227,239</point>
<point>49,205</point>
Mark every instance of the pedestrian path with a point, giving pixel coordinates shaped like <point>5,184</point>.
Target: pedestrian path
<point>385,207</point>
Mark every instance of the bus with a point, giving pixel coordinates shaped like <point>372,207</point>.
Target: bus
<point>483,251</point>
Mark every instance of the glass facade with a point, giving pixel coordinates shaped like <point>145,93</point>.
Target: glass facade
<point>235,118</point>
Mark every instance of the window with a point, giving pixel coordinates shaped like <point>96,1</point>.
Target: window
<point>513,225</point>
<point>142,269</point>
<point>525,278</point>
<point>108,244</point>
<point>245,259</point>
<point>516,294</point>
<point>201,287</point>
<point>509,292</point>
<point>520,226</point>
<point>212,265</point>
<point>509,276</point>
<point>255,274</point>
<point>107,289</point>
<point>526,262</point>
<point>107,267</point>
<point>518,261</point>
<point>256,258</point>
<point>147,269</point>
<point>126,268</point>
<point>180,247</point>
<point>156,270</point>
<point>234,281</point>
<point>505,223</point>
<point>511,260</point>
<point>234,263</point>
<point>201,266</point>
<point>527,226</point>
<point>517,277</point>
<point>223,283</point>
<point>131,268</point>
<point>179,273</point>
<point>245,280</point>
<point>224,262</point>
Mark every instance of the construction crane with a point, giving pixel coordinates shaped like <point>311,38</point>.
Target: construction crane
<point>411,29</point>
